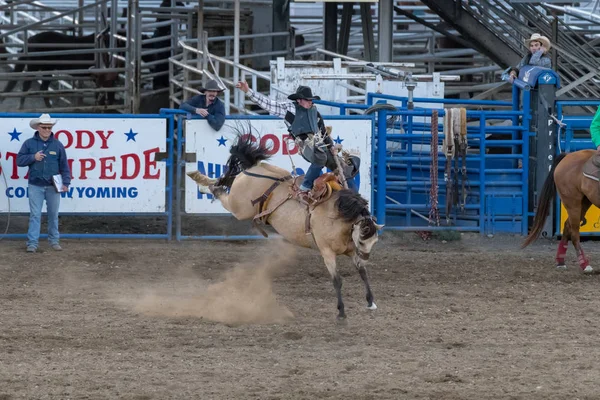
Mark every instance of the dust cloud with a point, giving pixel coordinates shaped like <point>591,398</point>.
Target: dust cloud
<point>243,296</point>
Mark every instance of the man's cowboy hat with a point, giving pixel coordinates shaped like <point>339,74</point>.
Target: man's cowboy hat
<point>43,119</point>
<point>536,37</point>
<point>303,92</point>
<point>211,85</point>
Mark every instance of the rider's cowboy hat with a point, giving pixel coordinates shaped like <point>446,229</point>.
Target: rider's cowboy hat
<point>303,92</point>
<point>536,37</point>
<point>211,85</point>
<point>43,119</point>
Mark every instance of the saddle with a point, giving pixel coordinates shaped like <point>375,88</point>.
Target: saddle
<point>322,190</point>
<point>591,168</point>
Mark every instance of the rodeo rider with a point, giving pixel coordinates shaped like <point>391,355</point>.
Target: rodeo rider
<point>307,128</point>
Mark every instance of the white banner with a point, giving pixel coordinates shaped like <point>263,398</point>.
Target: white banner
<point>111,160</point>
<point>212,152</point>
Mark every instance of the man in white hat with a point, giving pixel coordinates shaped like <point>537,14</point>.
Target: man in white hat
<point>207,105</point>
<point>538,54</point>
<point>46,157</point>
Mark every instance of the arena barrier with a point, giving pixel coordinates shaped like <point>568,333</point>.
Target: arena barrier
<point>489,180</point>
<point>114,164</point>
<point>207,151</point>
<point>135,165</point>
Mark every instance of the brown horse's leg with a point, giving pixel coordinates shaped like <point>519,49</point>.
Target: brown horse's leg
<point>362,270</point>
<point>563,246</point>
<point>329,258</point>
<point>574,220</point>
<point>584,263</point>
<point>561,252</point>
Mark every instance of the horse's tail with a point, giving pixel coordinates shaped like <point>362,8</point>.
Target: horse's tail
<point>246,152</point>
<point>544,204</point>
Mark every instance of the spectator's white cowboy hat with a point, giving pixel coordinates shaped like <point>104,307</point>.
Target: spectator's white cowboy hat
<point>211,85</point>
<point>43,119</point>
<point>536,37</point>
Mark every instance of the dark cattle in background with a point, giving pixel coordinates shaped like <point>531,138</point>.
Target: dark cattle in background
<point>57,38</point>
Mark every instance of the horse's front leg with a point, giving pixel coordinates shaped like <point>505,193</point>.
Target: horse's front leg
<point>329,258</point>
<point>362,270</point>
<point>584,263</point>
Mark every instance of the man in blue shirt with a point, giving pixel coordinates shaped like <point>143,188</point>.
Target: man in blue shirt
<point>207,105</point>
<point>45,156</point>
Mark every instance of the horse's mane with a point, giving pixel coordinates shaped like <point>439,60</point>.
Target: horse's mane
<point>352,206</point>
<point>245,153</point>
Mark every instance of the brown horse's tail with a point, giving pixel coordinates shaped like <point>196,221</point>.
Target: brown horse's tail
<point>544,204</point>
<point>246,152</point>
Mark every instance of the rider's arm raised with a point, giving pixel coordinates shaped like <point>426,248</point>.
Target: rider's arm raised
<point>278,108</point>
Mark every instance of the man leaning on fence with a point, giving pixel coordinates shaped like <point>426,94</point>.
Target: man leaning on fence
<point>46,158</point>
<point>207,105</point>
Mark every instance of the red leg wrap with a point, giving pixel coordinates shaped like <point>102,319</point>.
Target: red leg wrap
<point>561,252</point>
<point>583,261</point>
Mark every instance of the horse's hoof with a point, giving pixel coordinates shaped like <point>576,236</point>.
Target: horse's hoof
<point>201,180</point>
<point>372,306</point>
<point>341,317</point>
<point>588,270</point>
<point>562,267</point>
<point>204,189</point>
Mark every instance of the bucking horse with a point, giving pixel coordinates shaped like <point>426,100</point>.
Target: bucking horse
<point>334,220</point>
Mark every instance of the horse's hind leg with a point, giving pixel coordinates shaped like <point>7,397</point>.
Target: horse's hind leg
<point>362,270</point>
<point>329,258</point>
<point>206,185</point>
<point>563,245</point>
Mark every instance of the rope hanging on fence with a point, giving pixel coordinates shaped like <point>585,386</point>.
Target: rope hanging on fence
<point>455,146</point>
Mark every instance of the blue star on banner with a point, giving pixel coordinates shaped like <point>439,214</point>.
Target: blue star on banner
<point>14,135</point>
<point>130,135</point>
<point>338,140</point>
<point>221,141</point>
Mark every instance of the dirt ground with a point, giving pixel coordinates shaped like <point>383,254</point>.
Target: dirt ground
<point>470,319</point>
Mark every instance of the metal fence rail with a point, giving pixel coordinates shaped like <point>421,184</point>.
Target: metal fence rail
<point>496,173</point>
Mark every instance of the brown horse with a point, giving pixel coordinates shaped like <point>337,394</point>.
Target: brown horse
<point>577,193</point>
<point>340,225</point>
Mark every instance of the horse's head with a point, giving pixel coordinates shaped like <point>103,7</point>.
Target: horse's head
<point>364,235</point>
<point>352,207</point>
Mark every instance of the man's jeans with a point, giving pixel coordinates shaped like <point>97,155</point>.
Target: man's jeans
<point>312,173</point>
<point>37,195</point>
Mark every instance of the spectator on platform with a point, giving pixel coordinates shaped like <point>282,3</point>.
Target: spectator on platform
<point>538,55</point>
<point>207,105</point>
